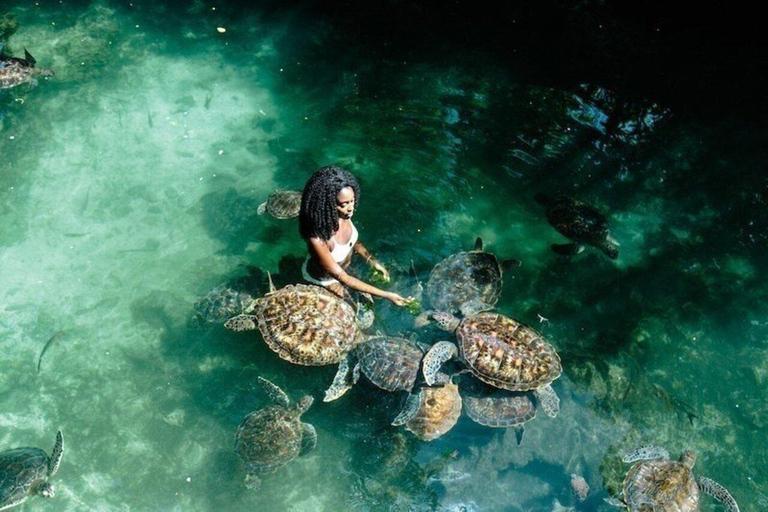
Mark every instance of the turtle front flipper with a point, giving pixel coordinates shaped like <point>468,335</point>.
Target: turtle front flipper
<point>58,451</point>
<point>241,323</point>
<point>409,410</point>
<point>571,249</point>
<point>308,438</point>
<point>647,452</point>
<point>548,400</point>
<point>276,394</point>
<point>342,382</point>
<point>717,491</point>
<point>14,503</point>
<point>262,209</point>
<point>440,352</point>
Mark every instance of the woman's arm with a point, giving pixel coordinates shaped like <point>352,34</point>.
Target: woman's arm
<point>320,250</point>
<point>371,260</point>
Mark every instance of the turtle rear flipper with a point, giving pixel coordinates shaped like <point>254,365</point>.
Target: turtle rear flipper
<point>262,209</point>
<point>58,451</point>
<point>519,431</point>
<point>548,400</point>
<point>241,323</point>
<point>647,452</point>
<point>345,378</point>
<point>440,352</point>
<point>13,503</point>
<point>409,410</point>
<point>717,491</point>
<point>308,438</point>
<point>275,394</point>
<point>571,249</point>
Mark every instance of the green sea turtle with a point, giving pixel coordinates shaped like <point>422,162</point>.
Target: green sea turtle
<point>24,472</point>
<point>431,411</point>
<point>389,362</point>
<point>581,223</point>
<point>16,71</point>
<point>467,282</point>
<point>221,304</point>
<point>270,438</point>
<point>499,351</point>
<point>498,408</point>
<point>282,204</point>
<point>656,483</point>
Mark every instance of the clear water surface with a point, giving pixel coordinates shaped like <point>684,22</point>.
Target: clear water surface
<point>128,190</point>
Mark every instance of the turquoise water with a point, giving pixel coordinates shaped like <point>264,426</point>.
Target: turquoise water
<point>128,189</point>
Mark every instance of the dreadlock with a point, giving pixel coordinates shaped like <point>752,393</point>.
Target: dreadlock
<point>318,216</point>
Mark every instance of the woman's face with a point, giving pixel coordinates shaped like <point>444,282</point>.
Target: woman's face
<point>345,203</point>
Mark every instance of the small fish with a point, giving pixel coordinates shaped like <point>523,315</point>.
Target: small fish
<point>579,486</point>
<point>87,199</point>
<point>150,115</point>
<point>208,98</point>
<point>75,235</point>
<point>51,341</point>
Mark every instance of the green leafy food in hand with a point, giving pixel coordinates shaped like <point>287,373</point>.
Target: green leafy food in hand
<point>414,307</point>
<point>376,278</point>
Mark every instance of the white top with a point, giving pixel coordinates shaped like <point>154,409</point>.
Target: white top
<point>341,251</point>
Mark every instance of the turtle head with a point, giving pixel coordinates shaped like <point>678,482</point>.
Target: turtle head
<point>688,459</point>
<point>610,247</point>
<point>45,490</point>
<point>446,321</point>
<point>305,403</point>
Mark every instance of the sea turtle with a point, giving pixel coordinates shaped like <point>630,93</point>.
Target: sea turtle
<point>581,223</point>
<point>499,351</point>
<point>221,304</point>
<point>467,282</point>
<point>389,362</point>
<point>282,204</point>
<point>15,71</point>
<point>24,472</point>
<point>657,483</point>
<point>432,411</point>
<point>498,408</point>
<point>272,437</point>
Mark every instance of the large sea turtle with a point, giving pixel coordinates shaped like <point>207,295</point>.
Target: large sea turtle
<point>16,71</point>
<point>282,204</point>
<point>581,223</point>
<point>432,411</point>
<point>220,304</point>
<point>499,351</point>
<point>389,362</point>
<point>656,483</point>
<point>272,437</point>
<point>498,408</point>
<point>24,472</point>
<point>467,282</point>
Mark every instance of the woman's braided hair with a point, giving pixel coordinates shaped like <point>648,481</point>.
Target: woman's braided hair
<point>318,216</point>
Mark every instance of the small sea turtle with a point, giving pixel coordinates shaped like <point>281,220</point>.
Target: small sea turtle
<point>15,71</point>
<point>579,487</point>
<point>24,472</point>
<point>282,204</point>
<point>221,304</point>
<point>389,362</point>
<point>581,223</point>
<point>431,412</point>
<point>272,437</point>
<point>498,408</point>
<point>657,483</point>
<point>467,282</point>
<point>499,351</point>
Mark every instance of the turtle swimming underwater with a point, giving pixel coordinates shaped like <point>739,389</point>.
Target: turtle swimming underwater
<point>220,304</point>
<point>581,223</point>
<point>282,204</point>
<point>467,282</point>
<point>657,483</point>
<point>24,472</point>
<point>389,362</point>
<point>15,71</point>
<point>272,437</point>
<point>432,411</point>
<point>498,408</point>
<point>499,351</point>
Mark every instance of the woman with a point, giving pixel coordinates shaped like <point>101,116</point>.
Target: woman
<point>325,223</point>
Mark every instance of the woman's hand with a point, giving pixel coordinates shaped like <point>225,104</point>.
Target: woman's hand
<point>384,274</point>
<point>398,300</point>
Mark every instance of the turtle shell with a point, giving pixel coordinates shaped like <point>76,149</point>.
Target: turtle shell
<point>220,304</point>
<point>390,363</point>
<point>284,204</point>
<point>269,438</point>
<point>661,484</point>
<point>463,278</point>
<point>20,468</point>
<point>307,324</point>
<point>507,354</point>
<point>577,221</point>
<point>439,410</point>
<point>500,410</point>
